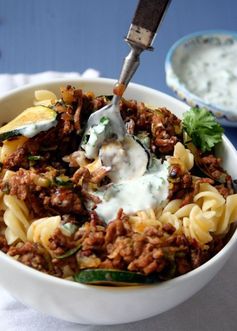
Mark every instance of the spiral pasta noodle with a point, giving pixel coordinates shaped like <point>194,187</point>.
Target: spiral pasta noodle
<point>168,215</point>
<point>142,219</point>
<point>16,218</point>
<point>209,214</point>
<point>182,156</point>
<point>44,98</point>
<point>229,216</point>
<point>42,229</point>
<point>10,146</point>
<point>198,225</point>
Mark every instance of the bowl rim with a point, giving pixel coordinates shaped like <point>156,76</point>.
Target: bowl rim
<point>41,276</point>
<point>78,80</point>
<point>227,117</point>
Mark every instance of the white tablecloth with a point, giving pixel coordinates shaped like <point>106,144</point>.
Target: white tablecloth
<point>214,308</point>
<point>9,81</point>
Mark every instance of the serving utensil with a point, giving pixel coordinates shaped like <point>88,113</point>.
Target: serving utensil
<point>147,18</point>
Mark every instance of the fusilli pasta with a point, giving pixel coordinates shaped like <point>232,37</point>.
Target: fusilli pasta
<point>10,146</point>
<point>16,218</point>
<point>209,214</point>
<point>182,156</point>
<point>44,97</point>
<point>42,229</point>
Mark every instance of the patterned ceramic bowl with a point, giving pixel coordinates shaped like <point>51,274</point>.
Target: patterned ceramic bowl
<point>201,68</point>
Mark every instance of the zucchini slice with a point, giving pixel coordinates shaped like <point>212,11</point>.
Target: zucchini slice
<point>69,253</point>
<point>112,277</point>
<point>29,123</point>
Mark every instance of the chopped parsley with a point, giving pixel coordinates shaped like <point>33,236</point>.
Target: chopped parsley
<point>202,128</point>
<point>104,120</point>
<point>34,157</point>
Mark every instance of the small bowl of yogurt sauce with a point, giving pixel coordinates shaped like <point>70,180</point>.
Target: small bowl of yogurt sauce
<point>201,68</point>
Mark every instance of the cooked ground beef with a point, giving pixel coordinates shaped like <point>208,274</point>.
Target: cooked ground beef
<point>156,251</point>
<point>3,244</point>
<point>180,182</point>
<point>163,126</point>
<point>42,194</point>
<point>32,255</point>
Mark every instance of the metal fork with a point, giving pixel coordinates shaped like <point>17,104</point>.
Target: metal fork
<point>147,18</point>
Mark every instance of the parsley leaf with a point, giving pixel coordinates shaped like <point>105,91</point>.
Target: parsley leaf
<point>104,120</point>
<point>202,128</point>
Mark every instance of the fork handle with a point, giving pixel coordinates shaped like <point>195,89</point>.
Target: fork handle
<point>147,18</point>
<point>130,65</point>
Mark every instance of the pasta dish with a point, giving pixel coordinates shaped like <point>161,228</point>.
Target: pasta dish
<point>144,209</point>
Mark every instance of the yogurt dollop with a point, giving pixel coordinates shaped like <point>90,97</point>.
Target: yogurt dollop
<point>133,187</point>
<point>210,72</point>
<point>140,193</point>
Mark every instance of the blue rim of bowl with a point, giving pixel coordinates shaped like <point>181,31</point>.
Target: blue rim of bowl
<point>224,116</point>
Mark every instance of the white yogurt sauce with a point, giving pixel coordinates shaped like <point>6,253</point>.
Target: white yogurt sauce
<point>126,159</point>
<point>210,72</point>
<point>33,129</point>
<point>96,136</point>
<point>132,186</point>
<point>141,193</point>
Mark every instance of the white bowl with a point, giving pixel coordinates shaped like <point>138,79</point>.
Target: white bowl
<point>186,55</point>
<point>97,304</point>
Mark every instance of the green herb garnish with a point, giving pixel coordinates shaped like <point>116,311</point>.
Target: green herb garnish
<point>63,181</point>
<point>104,120</point>
<point>34,157</point>
<point>85,139</point>
<point>203,128</point>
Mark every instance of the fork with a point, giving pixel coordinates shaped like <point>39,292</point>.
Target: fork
<point>147,18</point>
